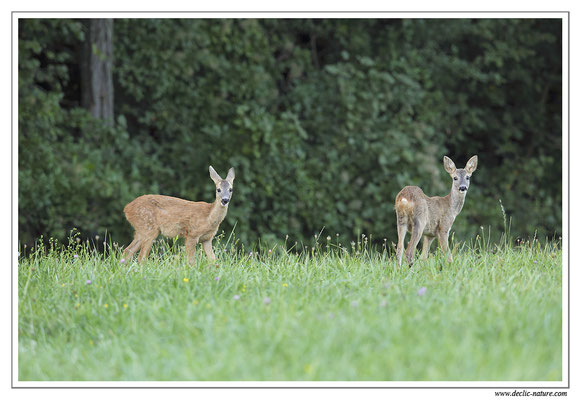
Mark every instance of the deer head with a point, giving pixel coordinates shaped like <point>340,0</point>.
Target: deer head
<point>460,177</point>
<point>224,187</point>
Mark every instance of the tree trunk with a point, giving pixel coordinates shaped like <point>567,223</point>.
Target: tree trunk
<point>97,69</point>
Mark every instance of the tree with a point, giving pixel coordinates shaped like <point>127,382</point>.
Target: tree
<point>97,69</point>
<point>324,121</point>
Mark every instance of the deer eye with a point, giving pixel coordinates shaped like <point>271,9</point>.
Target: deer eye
<point>467,178</point>
<point>455,178</point>
<point>230,190</point>
<point>218,190</point>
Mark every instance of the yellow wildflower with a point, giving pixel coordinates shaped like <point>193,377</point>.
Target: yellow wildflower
<point>125,306</point>
<point>106,305</point>
<point>186,280</point>
<point>285,284</point>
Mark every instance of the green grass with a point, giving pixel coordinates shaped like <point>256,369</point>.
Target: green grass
<point>493,314</point>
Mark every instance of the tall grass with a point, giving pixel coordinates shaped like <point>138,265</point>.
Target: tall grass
<point>318,312</point>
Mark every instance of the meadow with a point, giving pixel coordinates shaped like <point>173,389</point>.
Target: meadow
<point>324,313</point>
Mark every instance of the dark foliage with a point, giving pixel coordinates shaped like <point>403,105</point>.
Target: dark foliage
<point>324,121</point>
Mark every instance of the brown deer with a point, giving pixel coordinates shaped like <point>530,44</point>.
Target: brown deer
<point>431,216</point>
<point>198,221</point>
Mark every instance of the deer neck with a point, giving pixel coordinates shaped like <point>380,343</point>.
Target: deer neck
<point>217,213</point>
<point>456,202</point>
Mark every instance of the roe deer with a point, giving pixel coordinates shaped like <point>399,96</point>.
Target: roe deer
<point>431,216</point>
<point>152,214</point>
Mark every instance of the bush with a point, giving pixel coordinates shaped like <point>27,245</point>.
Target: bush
<point>324,121</point>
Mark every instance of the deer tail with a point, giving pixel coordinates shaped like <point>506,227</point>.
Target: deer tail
<point>404,206</point>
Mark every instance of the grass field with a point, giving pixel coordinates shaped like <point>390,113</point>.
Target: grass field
<point>326,314</point>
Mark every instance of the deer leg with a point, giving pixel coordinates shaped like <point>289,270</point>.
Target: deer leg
<point>207,245</point>
<point>443,239</point>
<point>402,229</point>
<point>191,243</point>
<point>132,248</point>
<point>146,244</point>
<point>417,231</point>
<point>426,247</point>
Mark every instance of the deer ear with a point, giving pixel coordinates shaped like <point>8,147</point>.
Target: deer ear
<point>230,177</point>
<point>471,164</point>
<point>449,165</point>
<point>214,175</point>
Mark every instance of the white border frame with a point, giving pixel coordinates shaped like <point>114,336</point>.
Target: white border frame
<point>502,385</point>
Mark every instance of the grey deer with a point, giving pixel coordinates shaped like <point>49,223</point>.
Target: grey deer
<point>198,221</point>
<point>431,216</point>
